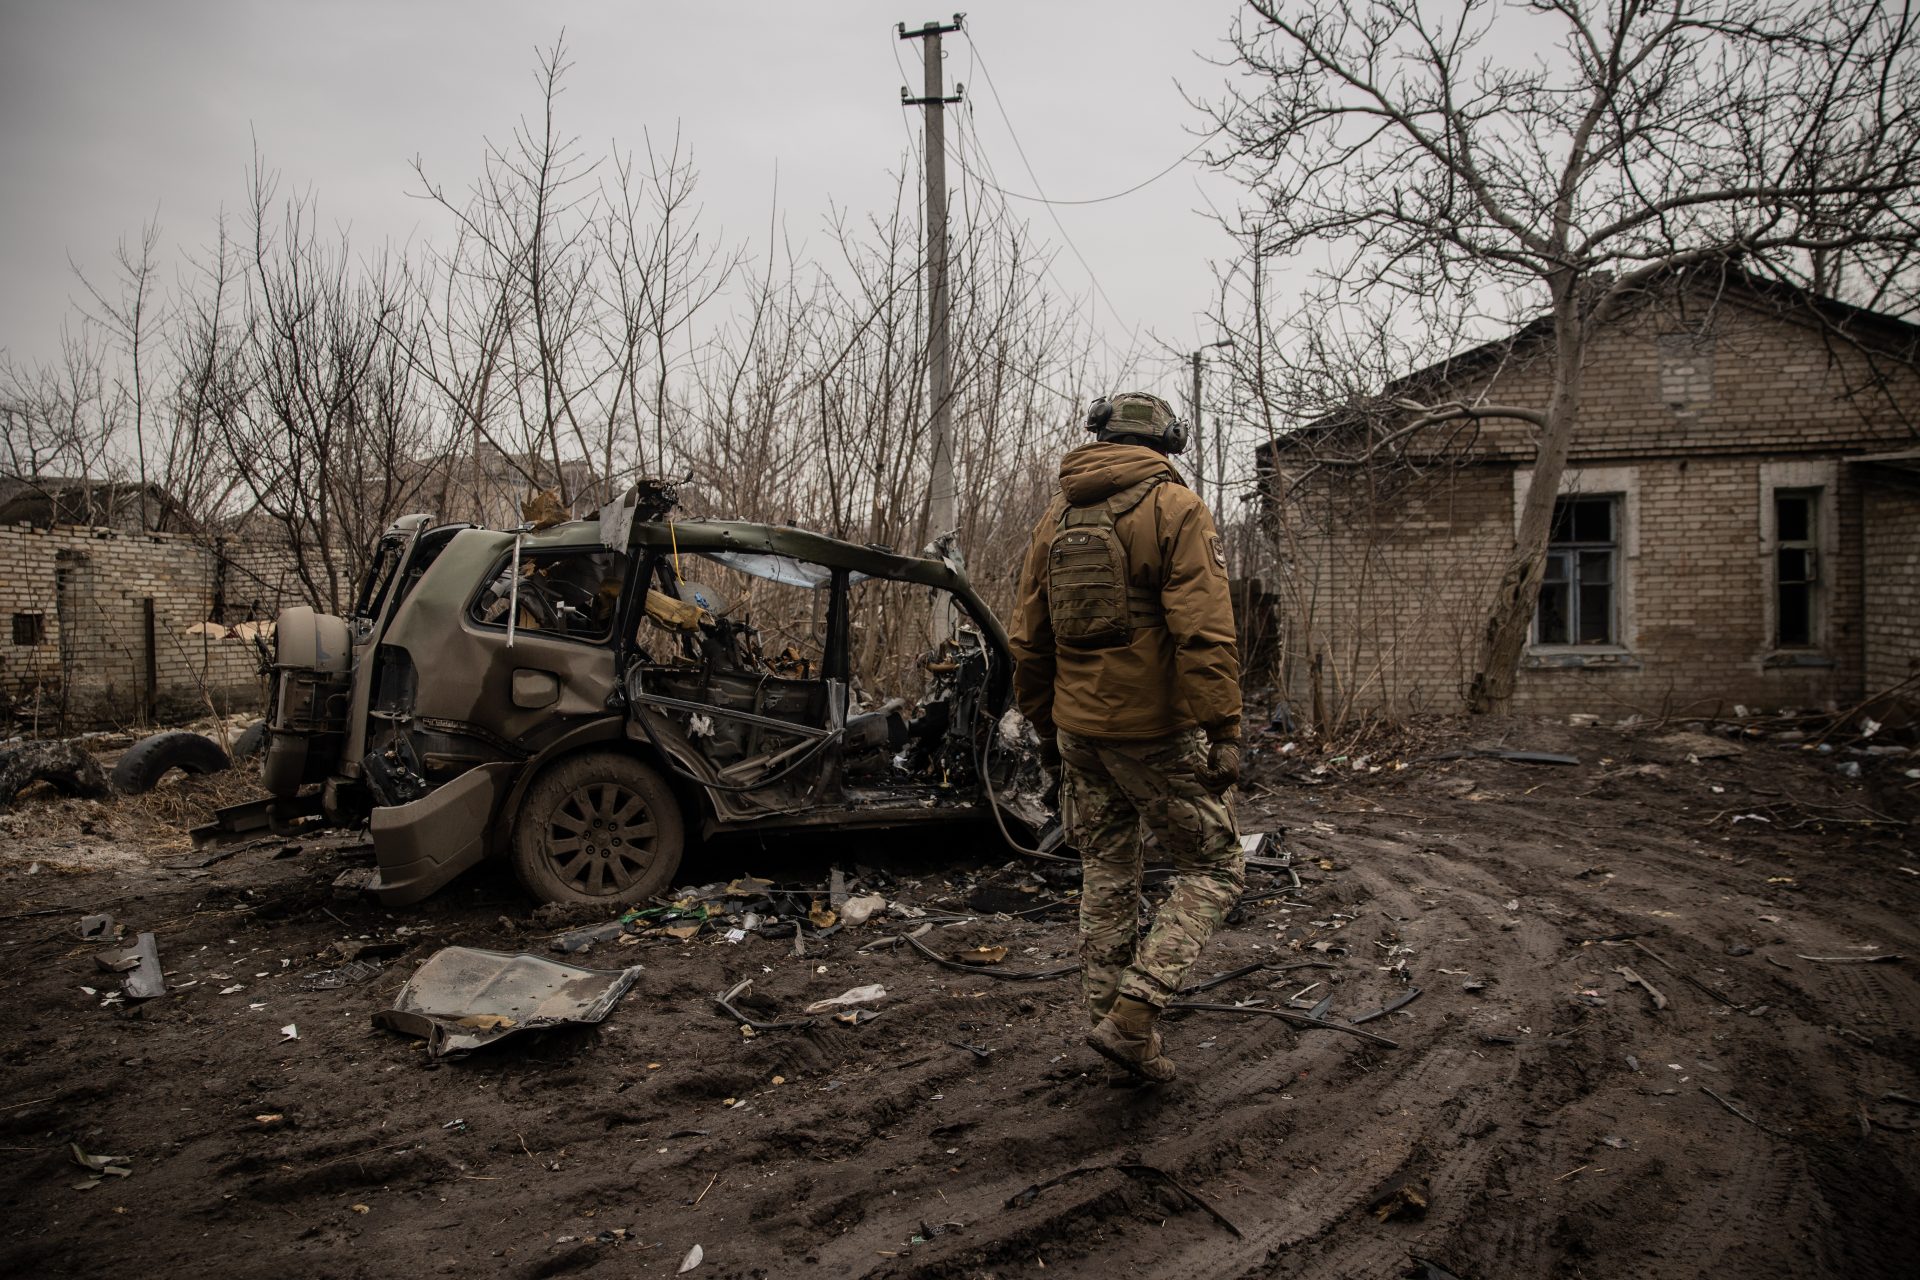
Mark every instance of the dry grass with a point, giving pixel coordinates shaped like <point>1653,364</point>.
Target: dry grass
<point>67,832</point>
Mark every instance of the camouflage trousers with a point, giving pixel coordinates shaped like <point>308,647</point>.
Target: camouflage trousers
<point>1109,788</point>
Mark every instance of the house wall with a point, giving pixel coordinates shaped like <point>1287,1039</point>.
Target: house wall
<point>1696,621</point>
<point>1383,592</point>
<point>1694,420</point>
<point>1892,578</point>
<point>1675,381</point>
<point>87,588</point>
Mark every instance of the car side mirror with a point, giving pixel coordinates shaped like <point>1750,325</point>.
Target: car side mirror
<point>534,689</point>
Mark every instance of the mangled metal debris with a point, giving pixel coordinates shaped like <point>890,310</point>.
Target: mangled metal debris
<point>141,963</point>
<point>463,998</point>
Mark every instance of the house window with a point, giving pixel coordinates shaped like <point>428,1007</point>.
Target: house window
<point>29,628</point>
<point>1578,598</point>
<point>1796,567</point>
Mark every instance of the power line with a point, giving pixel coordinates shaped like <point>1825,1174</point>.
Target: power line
<point>1133,332</point>
<point>1077,299</point>
<point>1022,195</point>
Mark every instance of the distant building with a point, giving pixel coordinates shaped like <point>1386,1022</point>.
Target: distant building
<point>1739,522</point>
<point>128,506</point>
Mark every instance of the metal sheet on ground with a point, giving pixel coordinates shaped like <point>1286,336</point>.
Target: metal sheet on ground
<point>463,998</point>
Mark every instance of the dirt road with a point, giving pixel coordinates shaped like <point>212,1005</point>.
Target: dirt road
<point>1538,1117</point>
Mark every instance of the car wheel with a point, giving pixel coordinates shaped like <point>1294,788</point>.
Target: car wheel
<point>599,827</point>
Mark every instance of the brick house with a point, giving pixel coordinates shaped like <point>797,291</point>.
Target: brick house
<point>1739,522</point>
<point>100,627</point>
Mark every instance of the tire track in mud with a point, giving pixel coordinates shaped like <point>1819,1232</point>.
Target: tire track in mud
<point>1328,1177</point>
<point>881,1131</point>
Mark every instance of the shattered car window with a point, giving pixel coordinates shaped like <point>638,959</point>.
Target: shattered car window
<point>570,593</point>
<point>784,569</point>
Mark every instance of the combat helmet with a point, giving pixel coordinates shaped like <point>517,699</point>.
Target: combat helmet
<point>1136,415</point>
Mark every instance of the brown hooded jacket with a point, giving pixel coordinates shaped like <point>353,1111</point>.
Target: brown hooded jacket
<point>1166,679</point>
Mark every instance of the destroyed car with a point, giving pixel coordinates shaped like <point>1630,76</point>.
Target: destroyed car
<point>583,699</point>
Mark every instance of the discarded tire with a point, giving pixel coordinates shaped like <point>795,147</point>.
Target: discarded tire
<point>66,765</point>
<point>250,741</point>
<point>148,760</point>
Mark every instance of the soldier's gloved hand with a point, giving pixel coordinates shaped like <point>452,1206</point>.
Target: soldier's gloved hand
<point>1050,756</point>
<point>1223,766</point>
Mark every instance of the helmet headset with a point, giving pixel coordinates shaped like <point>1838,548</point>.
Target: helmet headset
<point>1145,417</point>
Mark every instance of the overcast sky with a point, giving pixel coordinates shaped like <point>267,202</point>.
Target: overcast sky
<point>114,112</point>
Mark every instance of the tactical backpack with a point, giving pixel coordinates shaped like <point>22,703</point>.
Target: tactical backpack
<point>1090,595</point>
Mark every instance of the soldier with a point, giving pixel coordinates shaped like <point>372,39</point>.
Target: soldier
<point>1129,670</point>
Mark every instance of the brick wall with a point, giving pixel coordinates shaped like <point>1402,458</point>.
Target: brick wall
<point>1383,591</point>
<point>1892,573</point>
<point>1671,381</point>
<point>75,646</point>
<point>1694,427</point>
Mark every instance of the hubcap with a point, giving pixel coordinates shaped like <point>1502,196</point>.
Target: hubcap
<point>600,838</point>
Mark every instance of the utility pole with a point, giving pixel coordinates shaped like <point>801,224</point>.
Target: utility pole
<point>942,500</point>
<point>1199,442</point>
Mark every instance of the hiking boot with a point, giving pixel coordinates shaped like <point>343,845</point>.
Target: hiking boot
<point>1127,1039</point>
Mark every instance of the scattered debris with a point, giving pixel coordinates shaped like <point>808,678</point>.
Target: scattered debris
<point>141,963</point>
<point>693,1259</point>
<point>1696,747</point>
<point>873,993</point>
<point>1887,958</point>
<point>583,939</point>
<point>1502,753</point>
<point>350,974</point>
<point>1400,1001</point>
<point>1020,975</point>
<point>1403,1201</point>
<point>289,1032</point>
<point>1289,1015</point>
<point>982,956</point>
<point>1659,1000</point>
<point>462,998</point>
<point>741,988</point>
<point>100,928</point>
<point>100,1167</point>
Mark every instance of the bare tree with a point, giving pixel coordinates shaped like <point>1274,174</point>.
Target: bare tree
<point>327,434</point>
<point>133,318</point>
<point>1645,137</point>
<point>513,348</point>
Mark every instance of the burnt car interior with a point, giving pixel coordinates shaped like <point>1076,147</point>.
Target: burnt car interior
<point>832,720</point>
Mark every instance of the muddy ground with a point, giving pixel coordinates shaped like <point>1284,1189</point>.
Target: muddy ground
<point>1553,1121</point>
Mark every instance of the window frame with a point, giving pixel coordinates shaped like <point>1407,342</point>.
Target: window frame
<point>503,563</point>
<point>31,623</point>
<point>1820,477</point>
<point>1813,545</point>
<point>1573,552</point>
